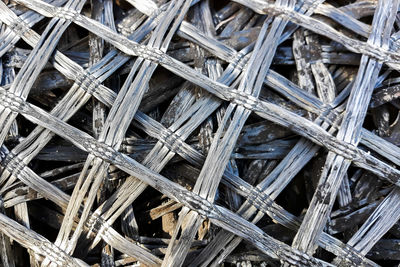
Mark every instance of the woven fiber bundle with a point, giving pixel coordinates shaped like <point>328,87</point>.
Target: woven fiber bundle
<point>199,133</point>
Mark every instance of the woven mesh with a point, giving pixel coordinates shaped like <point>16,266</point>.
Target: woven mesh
<point>258,90</point>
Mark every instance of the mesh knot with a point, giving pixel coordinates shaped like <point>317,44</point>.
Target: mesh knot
<point>150,53</point>
<point>66,13</point>
<point>11,101</point>
<point>257,197</point>
<point>19,26</point>
<point>171,139</point>
<point>87,82</point>
<point>54,253</point>
<point>239,61</point>
<point>244,99</point>
<point>97,225</point>
<point>296,257</point>
<point>100,149</point>
<point>198,203</point>
<point>14,164</point>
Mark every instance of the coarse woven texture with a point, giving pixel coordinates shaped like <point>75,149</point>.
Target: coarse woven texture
<point>199,133</point>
